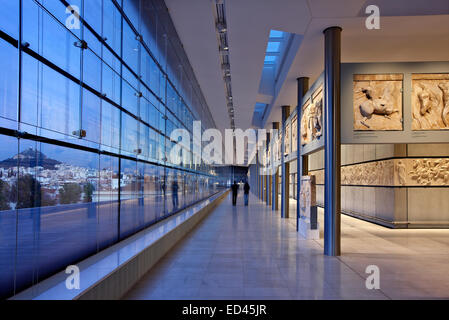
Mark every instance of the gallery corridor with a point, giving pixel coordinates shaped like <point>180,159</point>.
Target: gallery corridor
<point>251,253</point>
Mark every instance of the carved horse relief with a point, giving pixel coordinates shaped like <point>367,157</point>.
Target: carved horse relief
<point>378,102</point>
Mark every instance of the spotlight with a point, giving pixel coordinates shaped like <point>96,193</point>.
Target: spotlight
<point>221,27</point>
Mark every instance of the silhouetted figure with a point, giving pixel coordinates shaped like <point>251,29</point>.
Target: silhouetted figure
<point>174,190</point>
<point>246,188</point>
<point>235,189</point>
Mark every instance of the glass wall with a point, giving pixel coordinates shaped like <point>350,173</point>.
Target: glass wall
<point>86,111</point>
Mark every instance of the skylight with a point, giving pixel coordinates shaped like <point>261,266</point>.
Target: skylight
<point>270,59</point>
<point>273,46</point>
<point>276,34</point>
<point>260,107</point>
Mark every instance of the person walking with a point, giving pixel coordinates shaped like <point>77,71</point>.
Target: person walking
<point>174,189</point>
<point>246,189</point>
<point>235,188</point>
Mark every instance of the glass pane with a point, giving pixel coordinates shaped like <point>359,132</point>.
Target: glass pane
<point>273,46</point>
<point>49,100</point>
<point>91,116</point>
<point>112,27</point>
<point>107,198</point>
<point>110,125</point>
<point>57,215</point>
<point>111,83</point>
<point>129,198</point>
<point>8,80</point>
<point>50,39</point>
<point>131,8</point>
<point>92,70</point>
<point>130,133</point>
<point>9,17</point>
<point>276,34</point>
<point>8,173</point>
<point>131,48</point>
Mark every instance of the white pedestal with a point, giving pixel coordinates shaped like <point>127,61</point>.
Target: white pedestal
<point>306,232</point>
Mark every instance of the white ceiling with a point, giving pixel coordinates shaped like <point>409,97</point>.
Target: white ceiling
<point>421,37</point>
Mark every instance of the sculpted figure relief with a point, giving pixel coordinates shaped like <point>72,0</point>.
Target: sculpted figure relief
<point>444,86</point>
<point>316,118</point>
<point>311,120</point>
<point>378,102</point>
<point>398,172</point>
<point>294,133</point>
<point>307,195</point>
<point>430,171</point>
<point>287,139</point>
<point>430,101</point>
<point>402,172</point>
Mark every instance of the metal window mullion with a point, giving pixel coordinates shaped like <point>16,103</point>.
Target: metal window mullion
<point>81,79</point>
<point>120,130</point>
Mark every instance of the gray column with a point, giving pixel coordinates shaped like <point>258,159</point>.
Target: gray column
<point>332,155</point>
<point>275,187</point>
<point>257,175</point>
<point>285,198</point>
<point>270,185</point>
<point>267,179</point>
<point>264,190</point>
<point>302,163</point>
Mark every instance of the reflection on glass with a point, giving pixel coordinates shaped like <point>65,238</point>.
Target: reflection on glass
<point>8,80</point>
<point>60,201</point>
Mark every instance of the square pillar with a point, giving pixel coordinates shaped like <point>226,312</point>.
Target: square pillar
<point>274,173</point>
<point>270,184</point>
<point>275,202</point>
<point>286,189</point>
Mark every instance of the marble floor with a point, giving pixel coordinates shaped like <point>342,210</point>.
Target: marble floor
<point>251,253</point>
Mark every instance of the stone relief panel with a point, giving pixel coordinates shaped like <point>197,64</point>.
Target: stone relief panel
<point>430,101</point>
<point>269,157</point>
<point>319,176</point>
<point>395,172</point>
<point>279,149</point>
<point>294,134</point>
<point>312,118</point>
<point>422,172</point>
<point>307,196</point>
<point>287,138</point>
<point>378,173</point>
<point>378,102</point>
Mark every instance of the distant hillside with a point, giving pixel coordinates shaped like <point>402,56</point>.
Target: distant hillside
<point>30,158</point>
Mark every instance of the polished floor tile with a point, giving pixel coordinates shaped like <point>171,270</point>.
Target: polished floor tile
<point>251,253</point>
